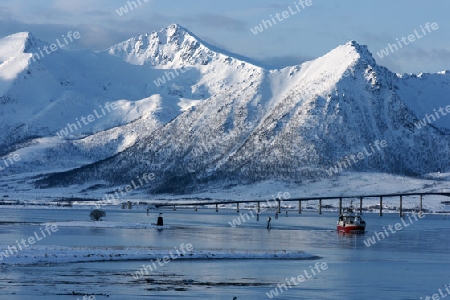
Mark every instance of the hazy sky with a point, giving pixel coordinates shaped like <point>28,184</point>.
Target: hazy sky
<point>310,33</point>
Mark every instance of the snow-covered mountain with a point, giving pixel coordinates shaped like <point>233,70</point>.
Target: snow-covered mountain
<point>46,102</point>
<point>199,117</point>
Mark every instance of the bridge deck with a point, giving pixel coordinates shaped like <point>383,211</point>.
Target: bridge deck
<point>212,202</point>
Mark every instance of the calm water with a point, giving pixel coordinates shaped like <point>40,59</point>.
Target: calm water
<point>412,263</point>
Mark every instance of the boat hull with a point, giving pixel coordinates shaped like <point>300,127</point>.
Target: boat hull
<point>351,228</point>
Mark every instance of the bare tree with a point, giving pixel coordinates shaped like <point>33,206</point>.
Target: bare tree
<point>97,214</point>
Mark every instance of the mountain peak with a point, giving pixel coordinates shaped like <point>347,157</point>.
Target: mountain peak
<point>359,50</point>
<point>32,43</point>
<point>175,29</point>
<point>175,34</point>
<point>17,43</point>
<point>342,60</point>
<point>172,46</point>
<point>351,52</point>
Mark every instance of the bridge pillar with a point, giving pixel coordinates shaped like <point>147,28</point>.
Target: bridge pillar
<point>195,208</point>
<point>217,207</point>
<point>381,206</point>
<point>237,207</point>
<point>279,206</point>
<point>401,206</point>
<point>174,208</point>
<point>299,207</point>
<point>320,206</point>
<point>420,205</point>
<point>360,205</point>
<point>259,207</point>
<point>340,206</point>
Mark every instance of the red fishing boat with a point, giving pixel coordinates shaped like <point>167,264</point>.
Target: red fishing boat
<point>351,222</point>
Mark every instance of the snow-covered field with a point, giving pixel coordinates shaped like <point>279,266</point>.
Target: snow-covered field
<point>347,184</point>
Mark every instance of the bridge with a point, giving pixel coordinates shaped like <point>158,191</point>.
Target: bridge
<point>278,201</point>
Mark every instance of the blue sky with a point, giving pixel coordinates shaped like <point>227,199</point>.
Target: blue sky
<point>308,34</point>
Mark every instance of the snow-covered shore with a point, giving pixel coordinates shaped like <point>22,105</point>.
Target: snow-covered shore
<point>59,254</point>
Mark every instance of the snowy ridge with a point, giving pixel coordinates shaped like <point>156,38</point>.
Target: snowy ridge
<point>59,254</point>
